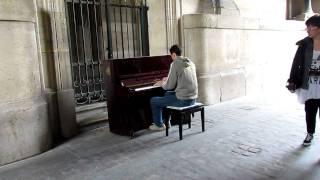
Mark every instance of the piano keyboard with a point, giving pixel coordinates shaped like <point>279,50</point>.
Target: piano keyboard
<point>145,88</point>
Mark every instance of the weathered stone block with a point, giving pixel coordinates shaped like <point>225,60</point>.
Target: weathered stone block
<point>19,70</point>
<point>233,84</point>
<point>200,21</point>
<point>157,27</point>
<point>209,89</point>
<point>24,130</point>
<point>18,10</point>
<point>69,126</point>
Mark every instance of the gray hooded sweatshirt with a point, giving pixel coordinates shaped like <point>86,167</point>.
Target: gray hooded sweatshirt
<point>182,79</point>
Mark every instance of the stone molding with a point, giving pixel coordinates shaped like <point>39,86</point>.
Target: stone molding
<point>18,10</point>
<point>237,22</point>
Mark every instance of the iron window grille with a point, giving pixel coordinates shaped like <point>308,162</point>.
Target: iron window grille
<point>101,30</point>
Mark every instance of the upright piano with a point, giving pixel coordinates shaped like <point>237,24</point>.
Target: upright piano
<point>129,87</point>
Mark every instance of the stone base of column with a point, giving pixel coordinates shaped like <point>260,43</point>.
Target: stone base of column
<point>304,16</point>
<point>67,113</point>
<point>25,130</point>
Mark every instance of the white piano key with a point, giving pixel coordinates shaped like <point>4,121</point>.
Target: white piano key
<point>145,88</point>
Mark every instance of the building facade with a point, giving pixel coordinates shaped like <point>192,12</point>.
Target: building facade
<point>52,50</point>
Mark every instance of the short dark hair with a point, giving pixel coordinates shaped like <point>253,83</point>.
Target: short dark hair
<point>313,20</point>
<point>175,49</point>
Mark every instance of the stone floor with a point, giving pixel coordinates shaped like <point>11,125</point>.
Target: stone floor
<point>244,139</point>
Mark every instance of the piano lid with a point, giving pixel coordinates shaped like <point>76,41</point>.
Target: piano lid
<point>141,66</point>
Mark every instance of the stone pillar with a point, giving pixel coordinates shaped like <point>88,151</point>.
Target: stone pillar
<point>308,11</point>
<point>212,42</point>
<point>24,126</point>
<point>54,50</point>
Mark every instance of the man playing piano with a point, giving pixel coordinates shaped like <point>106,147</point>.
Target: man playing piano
<point>181,87</point>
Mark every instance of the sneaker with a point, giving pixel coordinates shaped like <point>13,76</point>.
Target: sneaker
<point>157,128</point>
<point>308,139</point>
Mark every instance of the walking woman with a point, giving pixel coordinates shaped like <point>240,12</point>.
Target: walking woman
<point>305,74</point>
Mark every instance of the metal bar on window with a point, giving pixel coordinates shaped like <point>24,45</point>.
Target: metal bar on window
<point>133,31</point>
<point>77,79</point>
<point>98,80</point>
<point>109,34</point>
<point>115,30</point>
<point>128,38</point>
<point>90,65</point>
<point>144,30</point>
<point>121,29</point>
<point>138,32</point>
<point>85,82</point>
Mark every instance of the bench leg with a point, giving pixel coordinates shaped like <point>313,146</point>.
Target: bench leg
<point>202,119</point>
<point>189,119</point>
<point>166,123</point>
<point>166,117</point>
<point>180,127</point>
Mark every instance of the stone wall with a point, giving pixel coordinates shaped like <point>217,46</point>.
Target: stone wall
<point>24,126</point>
<point>236,50</point>
<point>238,56</point>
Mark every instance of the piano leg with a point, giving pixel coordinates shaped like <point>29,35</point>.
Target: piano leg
<point>131,134</point>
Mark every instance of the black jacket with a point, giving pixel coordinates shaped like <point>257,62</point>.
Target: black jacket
<point>299,73</point>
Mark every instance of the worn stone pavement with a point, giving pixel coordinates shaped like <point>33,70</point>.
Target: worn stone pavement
<point>244,139</point>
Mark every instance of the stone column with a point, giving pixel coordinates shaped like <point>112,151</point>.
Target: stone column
<point>57,77</point>
<point>24,127</point>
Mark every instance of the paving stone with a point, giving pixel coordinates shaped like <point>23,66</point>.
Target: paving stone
<point>244,139</point>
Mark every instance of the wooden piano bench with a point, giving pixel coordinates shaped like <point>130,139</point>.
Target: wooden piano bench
<point>182,115</point>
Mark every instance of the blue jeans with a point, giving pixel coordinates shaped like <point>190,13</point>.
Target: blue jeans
<point>169,99</point>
